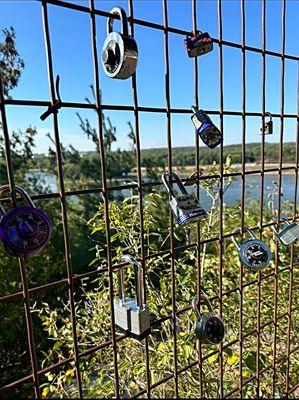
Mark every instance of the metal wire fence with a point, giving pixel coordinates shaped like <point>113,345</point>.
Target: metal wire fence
<point>28,293</point>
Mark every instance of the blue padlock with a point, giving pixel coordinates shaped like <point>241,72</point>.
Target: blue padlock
<point>208,132</point>
<point>253,254</point>
<point>185,207</point>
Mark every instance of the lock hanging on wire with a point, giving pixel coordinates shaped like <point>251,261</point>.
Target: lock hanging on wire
<point>198,45</point>
<point>24,230</point>
<point>131,313</point>
<point>185,207</point>
<point>209,328</point>
<point>120,51</point>
<point>208,132</point>
<point>267,127</point>
<point>288,232</point>
<point>253,253</point>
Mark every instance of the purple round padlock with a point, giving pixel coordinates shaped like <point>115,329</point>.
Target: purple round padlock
<point>25,230</point>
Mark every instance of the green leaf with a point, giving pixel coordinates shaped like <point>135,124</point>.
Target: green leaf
<point>233,359</point>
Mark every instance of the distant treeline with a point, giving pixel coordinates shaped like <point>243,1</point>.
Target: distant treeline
<point>123,161</point>
<point>184,156</point>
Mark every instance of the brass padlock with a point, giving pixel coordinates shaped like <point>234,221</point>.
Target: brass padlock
<point>185,207</point>
<point>209,327</point>
<point>131,313</point>
<point>267,127</point>
<point>288,232</point>
<point>120,52</point>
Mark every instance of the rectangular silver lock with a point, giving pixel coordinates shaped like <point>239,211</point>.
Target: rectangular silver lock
<point>140,320</point>
<point>187,208</point>
<point>122,313</point>
<point>289,234</point>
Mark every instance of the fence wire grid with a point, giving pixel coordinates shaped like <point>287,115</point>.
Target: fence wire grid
<point>27,294</point>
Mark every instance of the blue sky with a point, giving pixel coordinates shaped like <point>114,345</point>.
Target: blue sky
<point>70,36</point>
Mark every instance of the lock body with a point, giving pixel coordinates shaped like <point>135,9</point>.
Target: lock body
<point>254,254</point>
<point>120,51</point>
<point>130,318</point>
<point>122,313</point>
<point>187,209</point>
<point>198,45</point>
<point>140,321</point>
<point>288,234</point>
<point>24,230</point>
<point>208,132</point>
<point>209,328</point>
<point>267,128</point>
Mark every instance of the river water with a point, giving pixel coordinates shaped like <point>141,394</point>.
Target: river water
<point>233,194</point>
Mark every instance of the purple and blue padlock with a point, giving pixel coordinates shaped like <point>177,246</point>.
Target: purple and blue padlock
<point>208,132</point>
<point>24,230</point>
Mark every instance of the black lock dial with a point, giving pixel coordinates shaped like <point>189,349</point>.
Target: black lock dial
<point>214,330</point>
<point>256,255</point>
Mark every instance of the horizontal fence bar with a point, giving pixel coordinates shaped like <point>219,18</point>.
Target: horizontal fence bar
<point>170,29</point>
<point>114,107</point>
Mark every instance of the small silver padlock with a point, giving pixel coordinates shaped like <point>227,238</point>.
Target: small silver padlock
<point>130,313</point>
<point>120,52</point>
<point>267,127</point>
<point>209,328</point>
<point>288,232</point>
<point>253,254</point>
<point>185,207</point>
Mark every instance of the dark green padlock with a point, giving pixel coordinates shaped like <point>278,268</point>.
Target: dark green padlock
<point>209,327</point>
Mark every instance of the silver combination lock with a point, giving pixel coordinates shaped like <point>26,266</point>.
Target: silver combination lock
<point>288,232</point>
<point>185,207</point>
<point>120,52</point>
<point>267,127</point>
<point>130,313</point>
<point>209,327</point>
<point>253,254</point>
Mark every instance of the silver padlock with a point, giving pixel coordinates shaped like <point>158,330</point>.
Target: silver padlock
<point>288,232</point>
<point>120,52</point>
<point>130,313</point>
<point>185,207</point>
<point>267,127</point>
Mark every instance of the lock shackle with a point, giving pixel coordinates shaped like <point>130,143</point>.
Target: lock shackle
<point>166,180</point>
<point>138,279</point>
<point>193,178</point>
<point>201,115</point>
<point>269,115</point>
<point>239,230</point>
<point>283,220</point>
<point>205,301</point>
<point>18,189</point>
<point>123,18</point>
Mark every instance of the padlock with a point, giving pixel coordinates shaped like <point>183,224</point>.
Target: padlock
<point>120,52</point>
<point>267,127</point>
<point>208,132</point>
<point>185,207</point>
<point>192,179</point>
<point>209,328</point>
<point>288,233</point>
<point>199,44</point>
<point>131,315</point>
<point>253,254</point>
<point>25,230</point>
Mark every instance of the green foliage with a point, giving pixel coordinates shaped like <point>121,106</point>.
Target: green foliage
<point>93,308</point>
<point>11,63</point>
